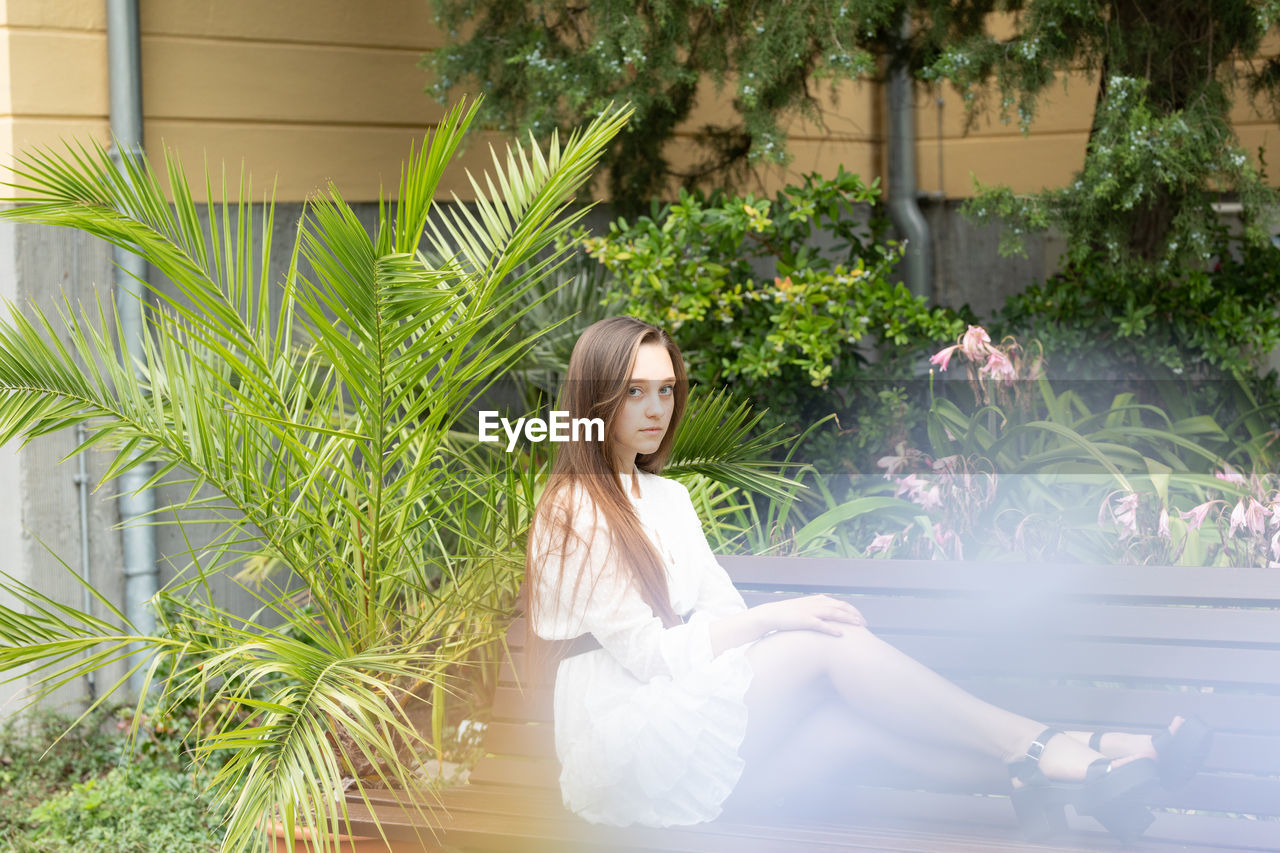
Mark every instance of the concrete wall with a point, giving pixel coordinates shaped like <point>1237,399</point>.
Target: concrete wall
<point>39,501</point>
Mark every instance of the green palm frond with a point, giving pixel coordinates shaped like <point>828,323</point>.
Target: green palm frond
<point>319,411</point>
<point>714,439</point>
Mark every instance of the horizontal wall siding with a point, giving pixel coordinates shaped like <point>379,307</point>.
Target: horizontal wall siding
<point>359,160</point>
<point>308,92</point>
<point>372,23</point>
<point>58,73</point>
<point>381,23</point>
<point>276,83</point>
<point>318,90</point>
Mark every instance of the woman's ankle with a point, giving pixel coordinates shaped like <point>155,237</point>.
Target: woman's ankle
<point>1060,756</point>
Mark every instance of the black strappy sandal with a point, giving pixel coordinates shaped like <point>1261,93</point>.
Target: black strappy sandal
<point>1114,796</point>
<point>1179,754</point>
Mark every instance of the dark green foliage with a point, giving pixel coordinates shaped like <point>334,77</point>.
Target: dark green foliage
<point>1192,346</point>
<point>547,65</point>
<point>1162,147</point>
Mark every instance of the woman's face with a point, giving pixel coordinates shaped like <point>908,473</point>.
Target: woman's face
<point>645,413</point>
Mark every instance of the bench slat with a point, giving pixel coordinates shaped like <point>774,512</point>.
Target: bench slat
<point>1178,624</point>
<point>525,772</point>
<point>1207,791</point>
<point>1254,587</point>
<point>1086,660</point>
<point>874,805</point>
<point>1233,753</point>
<point>1181,624</point>
<point>1087,707</point>
<point>1095,661</point>
<point>976,824</point>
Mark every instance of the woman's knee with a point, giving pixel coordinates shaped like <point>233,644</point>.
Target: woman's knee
<point>802,657</point>
<point>853,640</point>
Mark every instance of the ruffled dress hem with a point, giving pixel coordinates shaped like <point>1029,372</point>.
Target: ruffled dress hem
<point>668,756</point>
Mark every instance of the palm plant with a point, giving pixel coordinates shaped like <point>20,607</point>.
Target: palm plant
<point>322,414</point>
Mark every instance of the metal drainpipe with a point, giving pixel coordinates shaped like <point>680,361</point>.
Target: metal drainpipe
<point>141,571</point>
<point>82,486</point>
<point>904,208</point>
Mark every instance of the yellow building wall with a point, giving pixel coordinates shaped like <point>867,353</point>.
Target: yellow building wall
<point>308,91</point>
<point>302,91</point>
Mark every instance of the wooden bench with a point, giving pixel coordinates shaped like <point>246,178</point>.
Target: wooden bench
<point>1080,647</point>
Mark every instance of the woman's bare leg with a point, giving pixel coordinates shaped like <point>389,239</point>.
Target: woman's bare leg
<point>892,691</point>
<point>835,742</point>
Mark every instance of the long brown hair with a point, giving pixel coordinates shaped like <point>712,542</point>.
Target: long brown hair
<point>595,387</point>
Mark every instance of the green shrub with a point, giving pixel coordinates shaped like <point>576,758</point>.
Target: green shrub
<point>137,810</point>
<point>1195,345</point>
<point>796,302</point>
<point>90,792</point>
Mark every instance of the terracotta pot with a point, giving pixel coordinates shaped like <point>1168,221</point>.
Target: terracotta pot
<point>350,843</point>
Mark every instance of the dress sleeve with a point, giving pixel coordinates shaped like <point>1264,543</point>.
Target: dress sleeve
<point>585,590</point>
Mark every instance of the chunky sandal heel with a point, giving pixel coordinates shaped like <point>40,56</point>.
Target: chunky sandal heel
<point>1038,815</point>
<point>1116,796</point>
<point>1112,795</point>
<point>1126,821</point>
<point>1038,803</point>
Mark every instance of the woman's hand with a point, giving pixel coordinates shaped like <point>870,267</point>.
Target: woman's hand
<point>810,613</point>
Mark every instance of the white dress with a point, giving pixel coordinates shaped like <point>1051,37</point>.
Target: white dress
<point>648,726</point>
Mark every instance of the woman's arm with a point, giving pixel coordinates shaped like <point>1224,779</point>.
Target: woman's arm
<point>810,613</point>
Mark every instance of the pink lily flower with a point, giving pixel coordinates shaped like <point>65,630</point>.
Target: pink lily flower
<point>1125,514</point>
<point>1237,518</point>
<point>949,464</point>
<point>1275,545</point>
<point>975,343</point>
<point>943,357</point>
<point>909,485</point>
<point>882,542</point>
<point>998,366</point>
<point>1230,475</point>
<point>1196,515</point>
<point>949,544</point>
<point>1162,528</point>
<point>1256,517</point>
<point>930,498</point>
<point>1250,514</point>
<point>891,464</point>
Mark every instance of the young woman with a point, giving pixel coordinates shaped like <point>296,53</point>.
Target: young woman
<point>677,696</point>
